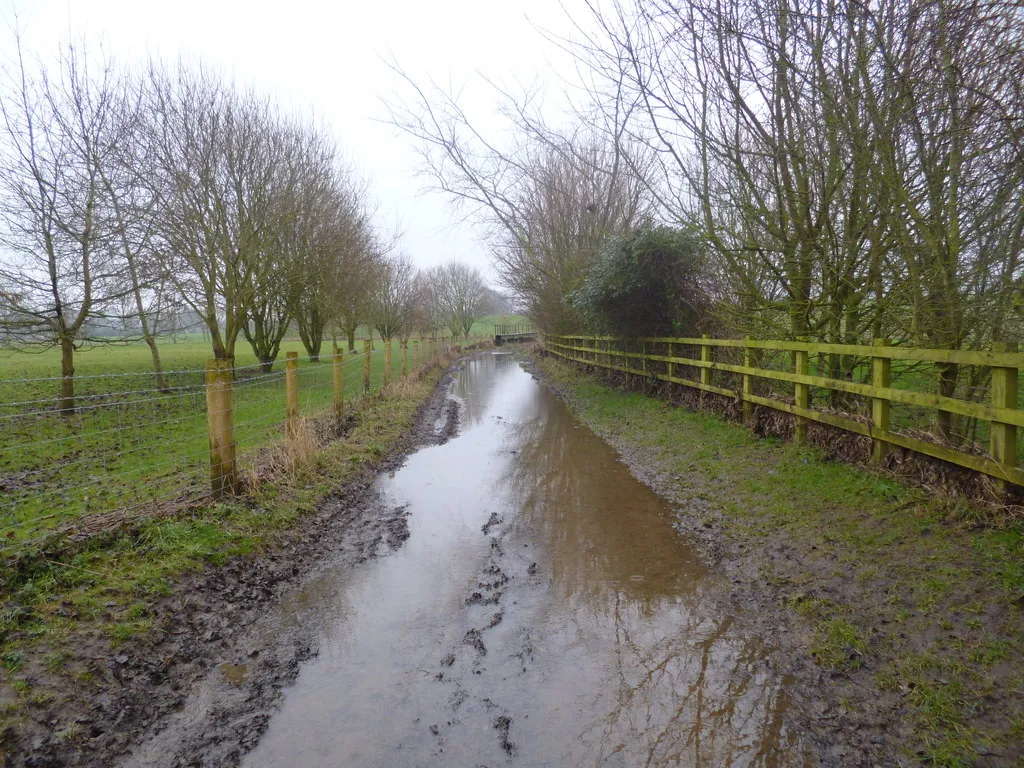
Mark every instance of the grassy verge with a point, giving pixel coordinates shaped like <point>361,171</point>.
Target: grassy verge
<point>905,601</point>
<point>106,585</point>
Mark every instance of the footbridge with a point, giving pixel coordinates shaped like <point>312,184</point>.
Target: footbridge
<point>516,332</point>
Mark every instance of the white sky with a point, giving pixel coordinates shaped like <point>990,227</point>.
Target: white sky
<point>328,58</point>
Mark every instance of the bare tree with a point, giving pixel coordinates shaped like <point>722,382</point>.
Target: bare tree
<point>546,201</point>
<point>331,244</point>
<point>462,296</point>
<point>855,166</point>
<point>429,315</point>
<point>216,157</point>
<point>393,301</point>
<point>133,212</point>
<point>57,137</point>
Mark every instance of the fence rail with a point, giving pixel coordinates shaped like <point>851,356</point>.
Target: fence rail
<point>657,359</point>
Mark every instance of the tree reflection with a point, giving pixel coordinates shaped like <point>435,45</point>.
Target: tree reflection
<point>676,677</point>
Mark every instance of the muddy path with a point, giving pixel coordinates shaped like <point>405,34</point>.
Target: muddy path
<point>504,592</point>
<point>509,596</point>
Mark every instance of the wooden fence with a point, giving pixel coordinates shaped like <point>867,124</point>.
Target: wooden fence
<point>656,358</point>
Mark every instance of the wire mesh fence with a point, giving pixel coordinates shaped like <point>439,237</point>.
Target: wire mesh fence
<point>128,444</point>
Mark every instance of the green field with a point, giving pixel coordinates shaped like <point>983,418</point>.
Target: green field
<point>129,445</point>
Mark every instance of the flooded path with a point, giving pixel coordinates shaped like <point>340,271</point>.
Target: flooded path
<point>543,612</point>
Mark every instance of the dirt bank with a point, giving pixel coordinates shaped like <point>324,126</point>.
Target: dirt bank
<point>900,622</point>
<point>149,701</point>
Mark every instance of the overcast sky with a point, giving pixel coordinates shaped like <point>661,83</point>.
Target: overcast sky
<point>328,57</point>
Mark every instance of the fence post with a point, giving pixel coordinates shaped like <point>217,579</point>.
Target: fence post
<point>881,376</point>
<point>416,351</point>
<point>405,358</point>
<point>1003,437</point>
<point>705,357</point>
<point>339,384</point>
<point>291,389</point>
<point>366,366</point>
<point>748,383</point>
<point>802,398</point>
<point>643,357</point>
<point>387,362</point>
<point>220,419</point>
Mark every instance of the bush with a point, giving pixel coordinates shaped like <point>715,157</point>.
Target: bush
<point>645,283</point>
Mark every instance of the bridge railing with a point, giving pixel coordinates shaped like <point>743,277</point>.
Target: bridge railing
<point>513,329</point>
<point>754,373</point>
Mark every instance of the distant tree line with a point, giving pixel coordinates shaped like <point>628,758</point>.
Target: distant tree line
<point>133,199</point>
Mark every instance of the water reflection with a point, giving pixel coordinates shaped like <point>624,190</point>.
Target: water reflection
<point>608,644</point>
<point>675,680</point>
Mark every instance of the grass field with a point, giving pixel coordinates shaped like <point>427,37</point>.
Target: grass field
<point>128,444</point>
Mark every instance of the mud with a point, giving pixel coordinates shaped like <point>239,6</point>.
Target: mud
<point>200,689</point>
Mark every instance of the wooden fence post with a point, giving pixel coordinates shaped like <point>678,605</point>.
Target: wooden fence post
<point>881,376</point>
<point>643,357</point>
<point>387,362</point>
<point>416,351</point>
<point>405,359</point>
<point>366,366</point>
<point>748,383</point>
<point>339,384</point>
<point>705,357</point>
<point>220,419</point>
<point>802,392</point>
<point>1003,438</point>
<point>291,391</point>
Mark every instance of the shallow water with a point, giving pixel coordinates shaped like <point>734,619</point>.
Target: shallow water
<point>580,629</point>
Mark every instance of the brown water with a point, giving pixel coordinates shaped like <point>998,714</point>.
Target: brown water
<point>607,645</point>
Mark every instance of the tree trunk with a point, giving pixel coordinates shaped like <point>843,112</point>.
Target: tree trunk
<point>67,373</point>
<point>350,333</point>
<point>948,374</point>
<point>161,380</point>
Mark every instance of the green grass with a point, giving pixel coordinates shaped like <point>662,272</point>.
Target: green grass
<point>107,584</point>
<point>130,445</point>
<point>899,589</point>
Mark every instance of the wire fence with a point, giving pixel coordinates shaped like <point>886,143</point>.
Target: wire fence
<point>127,445</point>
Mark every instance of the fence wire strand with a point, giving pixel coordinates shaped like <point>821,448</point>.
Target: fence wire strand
<point>129,446</point>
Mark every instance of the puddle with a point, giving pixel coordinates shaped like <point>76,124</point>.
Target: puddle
<point>544,611</point>
<point>236,674</point>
